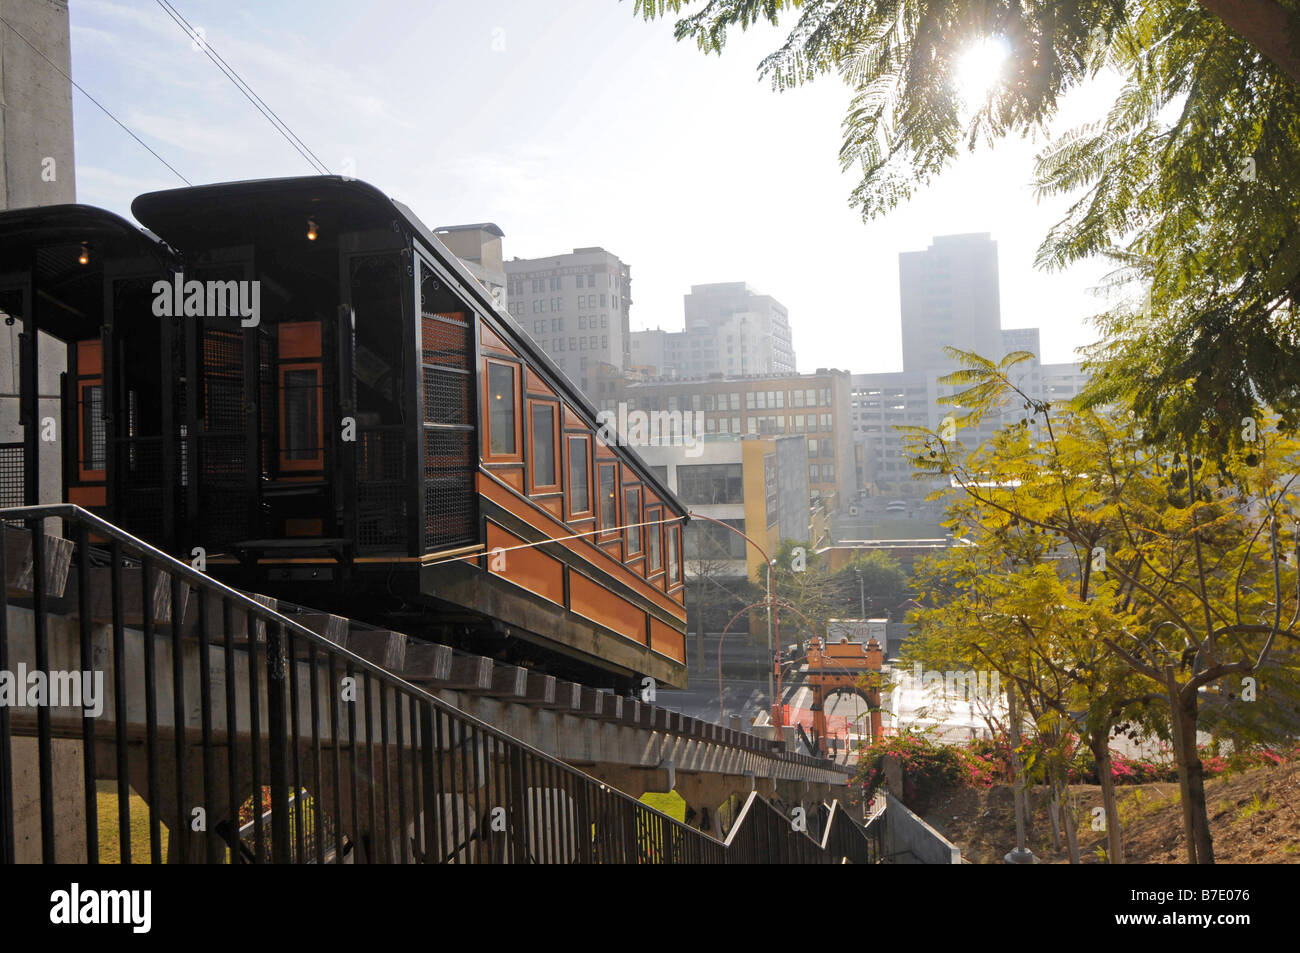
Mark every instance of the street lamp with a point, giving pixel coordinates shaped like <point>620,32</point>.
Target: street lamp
<point>771,614</point>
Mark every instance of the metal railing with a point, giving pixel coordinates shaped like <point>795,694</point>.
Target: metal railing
<point>762,834</point>
<point>216,704</point>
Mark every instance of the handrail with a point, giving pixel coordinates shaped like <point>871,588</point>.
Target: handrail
<point>533,766</point>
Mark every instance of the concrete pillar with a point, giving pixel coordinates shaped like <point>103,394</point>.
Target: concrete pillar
<point>704,794</point>
<point>36,123</point>
<point>36,168</point>
<point>68,790</point>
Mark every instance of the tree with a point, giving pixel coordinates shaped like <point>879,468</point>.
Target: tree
<point>1190,184</point>
<point>1173,562</point>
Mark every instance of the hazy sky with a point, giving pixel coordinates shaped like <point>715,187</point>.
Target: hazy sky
<point>568,123</point>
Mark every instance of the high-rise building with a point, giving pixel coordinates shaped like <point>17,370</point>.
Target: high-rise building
<point>757,485</point>
<point>948,297</point>
<point>730,329</point>
<point>815,405</point>
<point>478,246</point>
<point>575,307</point>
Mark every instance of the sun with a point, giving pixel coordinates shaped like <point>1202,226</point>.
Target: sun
<point>980,69</point>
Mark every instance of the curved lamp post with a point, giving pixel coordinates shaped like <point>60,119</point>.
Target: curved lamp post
<point>771,688</point>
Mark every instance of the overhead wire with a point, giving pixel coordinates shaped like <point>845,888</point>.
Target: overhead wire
<point>258,103</point>
<point>101,106</point>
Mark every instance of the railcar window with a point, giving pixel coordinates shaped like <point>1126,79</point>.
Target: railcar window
<point>632,515</point>
<point>579,488</point>
<point>544,445</point>
<point>608,496</point>
<point>674,566</point>
<point>501,418</point>
<point>301,412</point>
<point>654,532</point>
<point>301,434</point>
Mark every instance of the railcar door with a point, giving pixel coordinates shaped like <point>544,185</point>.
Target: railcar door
<point>450,445</point>
<point>225,433</point>
<point>132,443</point>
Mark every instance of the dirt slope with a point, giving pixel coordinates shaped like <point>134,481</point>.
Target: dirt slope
<point>1254,818</point>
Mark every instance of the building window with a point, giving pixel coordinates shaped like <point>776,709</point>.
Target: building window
<point>813,471</point>
<point>502,437</point>
<point>750,400</point>
<point>591,281</point>
<point>711,483</point>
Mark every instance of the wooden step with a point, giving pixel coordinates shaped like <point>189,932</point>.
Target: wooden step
<point>469,673</point>
<point>508,681</point>
<point>541,690</point>
<point>214,623</point>
<point>602,705</point>
<point>427,662</point>
<point>132,578</point>
<point>56,554</point>
<point>568,697</point>
<point>384,648</point>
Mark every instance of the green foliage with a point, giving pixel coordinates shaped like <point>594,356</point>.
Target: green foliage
<point>1190,183</point>
<point>905,122</point>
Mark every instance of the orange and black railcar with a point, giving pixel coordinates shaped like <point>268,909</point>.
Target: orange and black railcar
<point>382,440</point>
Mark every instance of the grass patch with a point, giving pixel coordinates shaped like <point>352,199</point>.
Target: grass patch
<point>109,841</point>
<point>1254,806</point>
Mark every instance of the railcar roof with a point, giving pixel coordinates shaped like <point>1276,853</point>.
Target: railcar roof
<point>73,224</point>
<point>203,214</point>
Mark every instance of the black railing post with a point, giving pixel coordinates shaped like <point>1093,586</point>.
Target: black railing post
<point>6,758</point>
<point>44,742</point>
<point>277,728</point>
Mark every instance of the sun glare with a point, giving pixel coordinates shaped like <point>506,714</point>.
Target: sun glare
<point>980,68</point>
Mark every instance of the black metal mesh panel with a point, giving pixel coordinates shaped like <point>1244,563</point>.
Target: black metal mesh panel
<point>448,489</point>
<point>446,340</point>
<point>139,492</point>
<point>446,396</point>
<point>382,519</point>
<point>11,474</point>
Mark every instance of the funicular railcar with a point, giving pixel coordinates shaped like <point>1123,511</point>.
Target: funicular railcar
<point>99,400</point>
<point>382,441</point>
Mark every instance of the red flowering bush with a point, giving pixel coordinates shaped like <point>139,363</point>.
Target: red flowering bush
<point>928,768</point>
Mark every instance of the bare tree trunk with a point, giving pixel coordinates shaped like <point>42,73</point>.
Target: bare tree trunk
<point>1191,789</point>
<point>1100,744</point>
<point>1061,791</point>
<point>1054,816</point>
<point>1267,25</point>
<point>1195,771</point>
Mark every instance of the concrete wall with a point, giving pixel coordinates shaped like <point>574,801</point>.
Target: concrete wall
<point>36,168</point>
<point>910,840</point>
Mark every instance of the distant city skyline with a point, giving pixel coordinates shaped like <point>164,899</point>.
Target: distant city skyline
<point>573,127</point>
